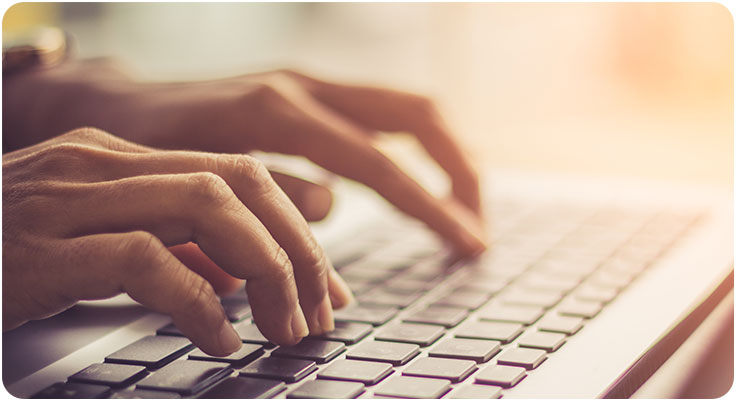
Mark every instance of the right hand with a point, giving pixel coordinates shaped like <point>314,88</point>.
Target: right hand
<point>87,215</point>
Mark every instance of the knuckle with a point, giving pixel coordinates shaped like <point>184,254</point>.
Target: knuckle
<point>422,104</point>
<point>143,248</point>
<point>244,167</point>
<point>209,189</point>
<point>197,296</point>
<point>87,135</point>
<point>281,269</point>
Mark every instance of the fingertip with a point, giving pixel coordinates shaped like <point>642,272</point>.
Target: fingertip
<point>340,293</point>
<point>299,327</point>
<point>229,339</point>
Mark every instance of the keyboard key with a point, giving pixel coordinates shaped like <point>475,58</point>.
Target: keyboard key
<point>284,369</point>
<point>439,315</point>
<point>185,376</point>
<point>475,392</point>
<point>586,309</point>
<point>353,370</point>
<point>109,374</point>
<point>383,351</point>
<point>170,330</point>
<point>73,390</point>
<point>468,301</point>
<point>366,274</point>
<point>420,334</point>
<point>246,354</point>
<point>405,286</point>
<point>526,297</point>
<point>525,315</point>
<point>236,309</point>
<point>381,297</point>
<point>499,375</point>
<point>249,333</point>
<point>560,324</point>
<point>503,332</point>
<point>591,292</point>
<point>526,358</point>
<point>144,394</point>
<point>462,348</point>
<point>547,281</point>
<point>607,279</point>
<point>454,370</point>
<point>348,332</point>
<point>152,352</point>
<point>327,389</point>
<point>320,351</point>
<point>375,315</point>
<point>481,287</point>
<point>245,388</point>
<point>413,387</point>
<point>549,342</point>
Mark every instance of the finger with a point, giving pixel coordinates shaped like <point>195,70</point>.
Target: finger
<point>313,200</point>
<point>391,110</point>
<point>201,208</point>
<point>140,265</point>
<point>192,257</point>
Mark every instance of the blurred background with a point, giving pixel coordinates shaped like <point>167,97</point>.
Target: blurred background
<point>639,90</point>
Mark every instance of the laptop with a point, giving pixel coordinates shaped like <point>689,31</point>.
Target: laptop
<point>588,286</point>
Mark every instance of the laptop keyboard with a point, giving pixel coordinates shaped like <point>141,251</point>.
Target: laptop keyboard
<point>423,327</point>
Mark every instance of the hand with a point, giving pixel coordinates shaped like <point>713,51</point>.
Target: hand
<point>87,216</point>
<point>331,124</point>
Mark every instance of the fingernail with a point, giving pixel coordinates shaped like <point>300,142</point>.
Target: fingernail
<point>229,339</point>
<point>299,326</point>
<point>326,321</point>
<point>339,290</point>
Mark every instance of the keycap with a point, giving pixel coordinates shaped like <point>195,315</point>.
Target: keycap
<point>560,324</point>
<point>454,370</point>
<point>439,315</point>
<point>348,332</point>
<point>607,279</point>
<point>405,286</point>
<point>375,315</point>
<point>499,375</point>
<point>329,389</point>
<point>381,297</point>
<point>384,351</point>
<point>320,351</point>
<point>170,330</point>
<point>464,348</point>
<point>591,292</point>
<point>151,351</point>
<point>249,333</point>
<point>481,287</point>
<point>109,374</point>
<point>185,376</point>
<point>246,354</point>
<point>549,342</point>
<point>526,297</point>
<point>354,370</point>
<point>586,309</point>
<point>420,334</point>
<point>475,392</point>
<point>144,394</point>
<point>468,301</point>
<point>355,272</point>
<point>245,388</point>
<point>236,309</point>
<point>413,387</point>
<point>547,281</point>
<point>526,358</point>
<point>503,332</point>
<point>284,369</point>
<point>73,390</point>
<point>525,315</point>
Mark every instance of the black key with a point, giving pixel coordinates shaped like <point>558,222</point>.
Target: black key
<point>73,390</point>
<point>467,301</point>
<point>526,358</point>
<point>284,369</point>
<point>375,315</point>
<point>382,351</point>
<point>503,332</point>
<point>462,348</point>
<point>109,374</point>
<point>245,388</point>
<point>249,333</point>
<point>352,370</point>
<point>327,389</point>
<point>413,387</point>
<point>185,376</point>
<point>170,330</point>
<point>454,370</point>
<point>348,332</point>
<point>320,351</point>
<point>144,394</point>
<point>475,392</point>
<point>152,352</point>
<point>246,354</point>
<point>525,315</point>
<point>499,375</point>
<point>382,297</point>
<point>439,315</point>
<point>420,334</point>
